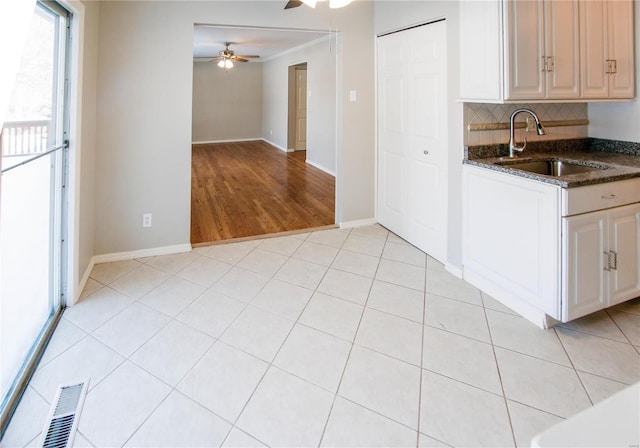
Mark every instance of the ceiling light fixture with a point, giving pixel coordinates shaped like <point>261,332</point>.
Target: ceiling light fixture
<point>225,64</point>
<point>338,3</point>
<point>332,3</point>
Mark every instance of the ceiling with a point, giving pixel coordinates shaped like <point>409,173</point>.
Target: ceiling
<point>208,40</point>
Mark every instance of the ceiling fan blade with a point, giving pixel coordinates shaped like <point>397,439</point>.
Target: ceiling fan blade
<point>293,4</point>
<point>239,59</point>
<point>247,56</point>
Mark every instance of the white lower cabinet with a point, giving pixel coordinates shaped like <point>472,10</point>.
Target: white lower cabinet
<point>544,251</point>
<point>511,240</point>
<point>600,262</point>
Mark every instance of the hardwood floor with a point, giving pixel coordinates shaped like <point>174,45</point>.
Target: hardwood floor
<point>251,188</point>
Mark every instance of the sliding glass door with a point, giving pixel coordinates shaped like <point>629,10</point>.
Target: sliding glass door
<point>32,203</point>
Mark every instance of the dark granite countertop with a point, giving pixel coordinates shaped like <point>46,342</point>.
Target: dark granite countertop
<point>613,162</point>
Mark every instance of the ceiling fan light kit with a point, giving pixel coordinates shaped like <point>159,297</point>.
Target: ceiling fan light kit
<point>338,3</point>
<point>312,3</point>
<point>226,57</point>
<point>225,64</point>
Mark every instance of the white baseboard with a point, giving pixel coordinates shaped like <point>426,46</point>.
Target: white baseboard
<point>321,168</point>
<point>83,281</point>
<point>358,223</point>
<point>453,270</point>
<point>154,252</point>
<point>277,146</point>
<point>233,140</point>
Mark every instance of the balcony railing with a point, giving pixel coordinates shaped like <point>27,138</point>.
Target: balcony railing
<point>24,138</point>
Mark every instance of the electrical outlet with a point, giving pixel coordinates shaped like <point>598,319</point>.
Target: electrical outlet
<point>146,220</point>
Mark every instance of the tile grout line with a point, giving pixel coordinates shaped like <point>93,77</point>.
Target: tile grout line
<point>270,364</point>
<point>353,343</point>
<point>573,367</point>
<point>215,341</point>
<point>606,310</point>
<point>495,358</point>
<point>424,319</point>
<point>575,330</point>
<point>295,323</point>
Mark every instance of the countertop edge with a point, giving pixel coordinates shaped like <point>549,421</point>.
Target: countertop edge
<point>619,173</point>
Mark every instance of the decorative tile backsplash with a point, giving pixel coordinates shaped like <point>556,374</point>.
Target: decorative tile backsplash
<point>475,113</point>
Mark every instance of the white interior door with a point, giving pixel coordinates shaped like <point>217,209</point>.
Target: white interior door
<point>301,110</point>
<point>412,136</point>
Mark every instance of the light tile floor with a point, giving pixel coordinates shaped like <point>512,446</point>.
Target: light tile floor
<point>331,338</point>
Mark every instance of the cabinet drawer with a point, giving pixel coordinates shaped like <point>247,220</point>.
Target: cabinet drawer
<point>599,197</point>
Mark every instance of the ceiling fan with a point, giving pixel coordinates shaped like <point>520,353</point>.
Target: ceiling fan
<point>332,3</point>
<point>227,57</point>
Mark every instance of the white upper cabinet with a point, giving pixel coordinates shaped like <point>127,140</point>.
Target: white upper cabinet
<point>607,53</point>
<point>562,49</point>
<point>481,64</point>
<point>545,50</point>
<point>525,50</point>
<point>542,49</point>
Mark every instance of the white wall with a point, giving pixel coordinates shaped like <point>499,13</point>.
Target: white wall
<point>86,185</point>
<point>143,158</point>
<point>392,15</point>
<point>321,103</point>
<point>227,104</point>
<point>619,121</point>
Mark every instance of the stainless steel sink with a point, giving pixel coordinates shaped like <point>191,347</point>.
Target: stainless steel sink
<point>552,167</point>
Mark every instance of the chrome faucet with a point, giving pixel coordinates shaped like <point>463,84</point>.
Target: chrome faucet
<point>512,131</point>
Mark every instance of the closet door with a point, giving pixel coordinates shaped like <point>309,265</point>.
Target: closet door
<point>412,140</point>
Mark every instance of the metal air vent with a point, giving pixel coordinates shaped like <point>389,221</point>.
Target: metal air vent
<point>60,428</point>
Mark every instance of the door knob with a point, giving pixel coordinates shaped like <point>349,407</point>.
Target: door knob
<point>425,152</point>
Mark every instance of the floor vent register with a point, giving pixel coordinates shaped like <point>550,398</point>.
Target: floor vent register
<point>60,428</point>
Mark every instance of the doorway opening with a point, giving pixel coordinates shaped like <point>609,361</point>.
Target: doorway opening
<point>263,150</point>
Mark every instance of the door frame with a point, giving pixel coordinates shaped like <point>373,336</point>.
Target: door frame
<point>63,256</point>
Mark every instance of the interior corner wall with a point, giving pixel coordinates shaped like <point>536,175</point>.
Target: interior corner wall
<point>619,120</point>
<point>321,102</point>
<point>143,149</point>
<point>86,187</point>
<point>391,15</point>
<point>227,104</point>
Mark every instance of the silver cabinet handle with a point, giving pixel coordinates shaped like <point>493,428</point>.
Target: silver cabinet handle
<point>425,152</point>
<point>607,261</point>
<point>614,265</point>
<point>611,196</point>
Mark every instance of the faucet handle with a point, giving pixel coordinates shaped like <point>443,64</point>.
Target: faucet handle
<point>514,147</point>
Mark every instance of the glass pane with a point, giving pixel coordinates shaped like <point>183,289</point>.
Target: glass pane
<point>30,199</point>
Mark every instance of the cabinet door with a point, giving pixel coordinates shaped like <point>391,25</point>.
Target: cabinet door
<point>585,280</point>
<point>562,49</point>
<point>593,48</point>
<point>624,244</point>
<point>481,61</point>
<point>525,50</point>
<point>512,236</point>
<point>620,33</point>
